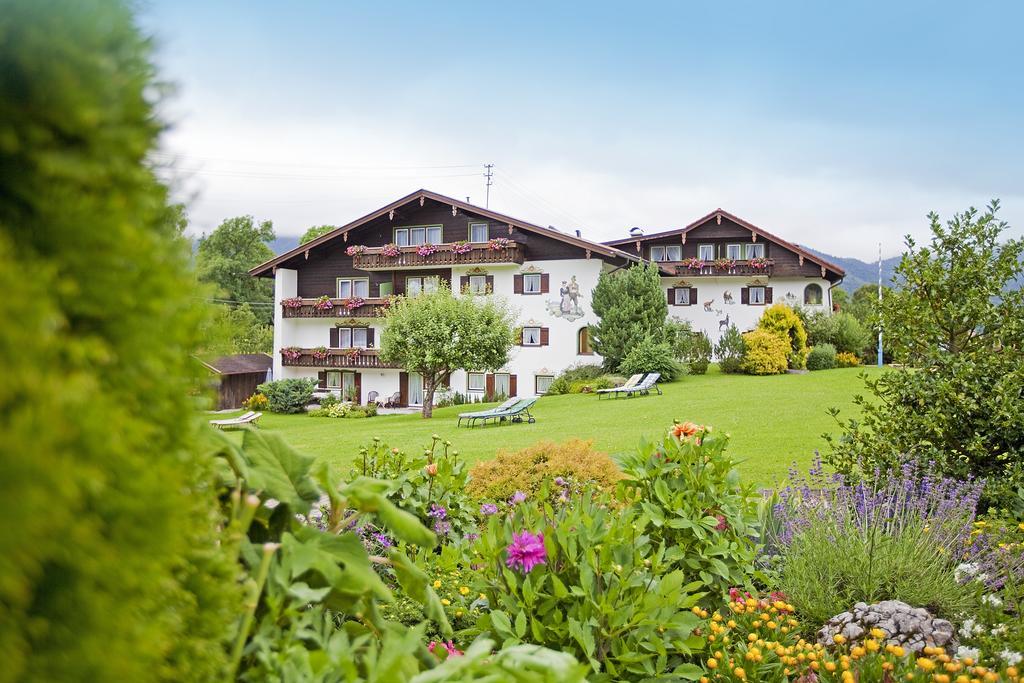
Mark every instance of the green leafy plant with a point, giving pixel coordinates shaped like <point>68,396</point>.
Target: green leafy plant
<point>821,357</point>
<point>650,355</point>
<point>587,578</point>
<point>692,348</point>
<point>632,306</point>
<point>847,360</point>
<point>256,402</point>
<point>288,395</point>
<point>765,353</point>
<point>729,351</point>
<point>689,490</point>
<point>783,320</point>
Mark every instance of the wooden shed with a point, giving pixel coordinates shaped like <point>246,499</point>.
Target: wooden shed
<point>238,377</point>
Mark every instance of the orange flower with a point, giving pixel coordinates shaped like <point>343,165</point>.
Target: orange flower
<point>432,469</point>
<point>684,429</point>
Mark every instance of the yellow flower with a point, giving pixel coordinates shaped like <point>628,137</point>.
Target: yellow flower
<point>464,590</point>
<point>483,597</point>
<point>458,613</point>
<point>839,638</point>
<point>871,645</point>
<point>1021,526</point>
<point>445,601</point>
<point>925,664</point>
<point>739,673</point>
<point>712,663</point>
<point>437,584</point>
<point>877,633</point>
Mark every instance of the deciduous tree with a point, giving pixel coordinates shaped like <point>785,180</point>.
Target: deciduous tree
<point>225,256</point>
<point>315,232</point>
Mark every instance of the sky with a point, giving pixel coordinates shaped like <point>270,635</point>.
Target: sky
<point>834,125</point>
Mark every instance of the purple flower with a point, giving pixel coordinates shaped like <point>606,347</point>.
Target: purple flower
<point>383,539</point>
<point>559,481</point>
<point>441,527</point>
<point>517,498</point>
<point>437,512</point>
<point>488,509</point>
<point>526,551</point>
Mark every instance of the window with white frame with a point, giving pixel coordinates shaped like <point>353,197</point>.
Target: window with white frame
<point>411,237</point>
<point>502,384</point>
<point>756,295</point>
<point>478,284</point>
<point>333,379</point>
<point>352,338</point>
<point>475,381</point>
<point>353,287</point>
<point>542,383</point>
<point>706,252</point>
<point>755,251</point>
<point>421,285</point>
<point>531,283</point>
<point>682,296</point>
<point>734,251</point>
<point>531,336</point>
<point>478,232</point>
<point>667,252</point>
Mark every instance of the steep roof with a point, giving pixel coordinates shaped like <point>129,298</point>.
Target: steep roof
<point>810,256</point>
<point>264,269</point>
<point>240,364</point>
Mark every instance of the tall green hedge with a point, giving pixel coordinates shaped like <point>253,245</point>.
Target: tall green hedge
<point>108,569</point>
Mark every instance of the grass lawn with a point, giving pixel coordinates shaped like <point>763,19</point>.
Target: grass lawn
<point>773,421</point>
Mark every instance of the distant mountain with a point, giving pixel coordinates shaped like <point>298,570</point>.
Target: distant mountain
<point>859,272</point>
<point>283,244</point>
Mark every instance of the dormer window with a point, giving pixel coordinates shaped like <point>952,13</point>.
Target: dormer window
<point>478,232</point>
<point>667,252</point>
<point>755,251</point>
<point>411,237</point>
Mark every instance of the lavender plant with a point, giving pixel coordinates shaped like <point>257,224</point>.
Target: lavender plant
<point>897,535</point>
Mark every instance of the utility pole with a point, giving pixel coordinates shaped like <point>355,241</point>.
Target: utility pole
<point>879,304</point>
<point>489,174</point>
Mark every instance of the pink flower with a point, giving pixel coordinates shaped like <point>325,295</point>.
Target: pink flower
<point>449,647</point>
<point>722,524</point>
<point>526,551</point>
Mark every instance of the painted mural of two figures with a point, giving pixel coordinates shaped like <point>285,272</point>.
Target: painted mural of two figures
<point>568,303</point>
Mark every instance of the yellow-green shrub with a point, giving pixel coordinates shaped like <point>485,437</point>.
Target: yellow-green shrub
<point>845,359</point>
<point>784,321</point>
<point>524,470</point>
<point>765,353</point>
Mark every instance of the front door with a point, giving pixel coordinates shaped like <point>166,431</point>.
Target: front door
<point>415,389</point>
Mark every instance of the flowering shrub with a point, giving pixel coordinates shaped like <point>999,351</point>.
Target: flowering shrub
<point>689,491</point>
<point>587,579</point>
<point>693,263</point>
<point>355,249</point>
<point>319,352</point>
<point>845,359</point>
<point>292,302</point>
<point>323,303</point>
<point>760,263</point>
<point>256,402</point>
<point>291,352</point>
<point>764,353</point>
<point>426,249</point>
<point>783,320</point>
<point>755,639</point>
<point>354,303</point>
<point>390,250</point>
<point>462,247</point>
<point>896,536</point>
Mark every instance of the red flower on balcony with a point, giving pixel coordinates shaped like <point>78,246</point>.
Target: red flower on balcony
<point>353,354</point>
<point>760,263</point>
<point>324,303</point>
<point>320,352</point>
<point>724,263</point>
<point>499,243</point>
<point>291,352</point>
<point>390,250</point>
<point>693,263</point>
<point>462,247</point>
<point>426,249</point>
<point>356,249</point>
<point>292,302</point>
<point>354,303</point>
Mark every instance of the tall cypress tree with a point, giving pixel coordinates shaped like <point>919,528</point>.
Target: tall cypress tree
<point>632,306</point>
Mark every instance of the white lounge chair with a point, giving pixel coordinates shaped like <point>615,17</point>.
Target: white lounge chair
<point>248,418</point>
<point>629,384</point>
<point>644,388</point>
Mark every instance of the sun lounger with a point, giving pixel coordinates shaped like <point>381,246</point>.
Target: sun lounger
<point>479,414</point>
<point>629,384</point>
<point>248,418</point>
<point>644,388</point>
<point>515,413</point>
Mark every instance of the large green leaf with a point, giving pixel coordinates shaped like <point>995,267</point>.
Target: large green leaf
<point>367,495</point>
<point>340,562</point>
<point>416,585</point>
<point>279,471</point>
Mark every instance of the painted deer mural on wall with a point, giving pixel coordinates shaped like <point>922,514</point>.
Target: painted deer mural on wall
<point>707,305</point>
<point>727,297</point>
<point>723,324</point>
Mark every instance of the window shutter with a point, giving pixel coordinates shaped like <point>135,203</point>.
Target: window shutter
<point>519,336</point>
<point>513,390</point>
<point>403,388</point>
<point>334,338</point>
<point>359,387</point>
<point>464,284</point>
<point>369,337</point>
<point>671,296</point>
<point>321,379</point>
<point>489,386</point>
<point>545,287</point>
<point>744,295</point>
<point>490,284</point>
<point>767,295</point>
<point>693,296</point>
<point>544,336</point>
<point>517,284</point>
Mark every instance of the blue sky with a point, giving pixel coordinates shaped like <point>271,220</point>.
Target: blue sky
<point>835,125</point>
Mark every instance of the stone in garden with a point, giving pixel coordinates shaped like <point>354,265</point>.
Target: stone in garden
<point>913,628</point>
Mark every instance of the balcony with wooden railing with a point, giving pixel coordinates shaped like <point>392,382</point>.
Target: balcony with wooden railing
<point>297,307</point>
<point>440,256</point>
<point>333,358</point>
<point>744,268</point>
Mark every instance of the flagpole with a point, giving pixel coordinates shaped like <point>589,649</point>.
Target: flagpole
<point>879,304</point>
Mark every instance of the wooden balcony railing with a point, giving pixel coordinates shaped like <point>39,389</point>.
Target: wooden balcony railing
<point>340,308</point>
<point>709,269</point>
<point>335,358</point>
<point>444,255</point>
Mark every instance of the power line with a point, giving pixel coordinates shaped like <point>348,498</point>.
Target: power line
<point>539,201</point>
<point>251,162</point>
<point>489,174</point>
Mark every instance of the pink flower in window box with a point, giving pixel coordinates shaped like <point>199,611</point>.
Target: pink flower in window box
<point>426,249</point>
<point>320,352</point>
<point>499,243</point>
<point>356,249</point>
<point>291,352</point>
<point>292,302</point>
<point>324,303</point>
<point>354,303</point>
<point>390,250</point>
<point>462,247</point>
<point>760,263</point>
<point>693,263</point>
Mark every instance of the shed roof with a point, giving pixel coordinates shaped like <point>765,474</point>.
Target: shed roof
<point>240,363</point>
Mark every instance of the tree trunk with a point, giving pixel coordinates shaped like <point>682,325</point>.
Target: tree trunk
<point>428,396</point>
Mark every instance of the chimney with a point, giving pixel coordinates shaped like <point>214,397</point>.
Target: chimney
<point>636,231</point>
<point>578,234</point>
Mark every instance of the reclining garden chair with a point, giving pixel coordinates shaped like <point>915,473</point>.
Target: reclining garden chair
<point>630,383</point>
<point>513,413</point>
<point>243,420</point>
<point>480,414</point>
<point>644,388</point>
